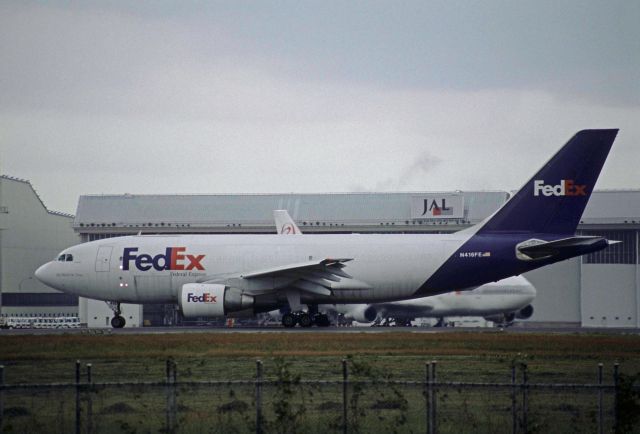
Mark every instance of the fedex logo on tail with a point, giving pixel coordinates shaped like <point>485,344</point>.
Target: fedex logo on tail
<point>173,258</point>
<point>567,187</point>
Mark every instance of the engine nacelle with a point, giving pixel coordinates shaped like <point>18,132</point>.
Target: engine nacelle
<point>506,318</point>
<point>212,300</point>
<point>363,313</point>
<point>525,312</point>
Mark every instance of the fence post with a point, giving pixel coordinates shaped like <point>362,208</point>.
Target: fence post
<point>514,410</point>
<point>525,397</point>
<point>258,396</point>
<point>345,382</point>
<point>600,421</point>
<point>89,400</point>
<point>170,392</point>
<point>427,395</point>
<point>89,366</point>
<point>434,398</point>
<point>616,383</point>
<point>1,396</point>
<point>77,396</point>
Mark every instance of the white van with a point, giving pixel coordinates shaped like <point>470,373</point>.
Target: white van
<point>19,323</point>
<point>68,322</point>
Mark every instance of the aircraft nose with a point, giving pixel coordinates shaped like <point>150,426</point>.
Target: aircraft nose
<point>43,274</point>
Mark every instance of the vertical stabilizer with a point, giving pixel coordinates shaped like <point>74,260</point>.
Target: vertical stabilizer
<point>553,200</point>
<point>284,223</point>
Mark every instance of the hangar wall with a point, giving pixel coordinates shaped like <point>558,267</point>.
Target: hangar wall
<point>609,295</point>
<point>558,292</point>
<point>30,235</point>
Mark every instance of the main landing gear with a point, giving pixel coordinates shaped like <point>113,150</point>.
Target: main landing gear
<point>118,321</point>
<point>290,319</point>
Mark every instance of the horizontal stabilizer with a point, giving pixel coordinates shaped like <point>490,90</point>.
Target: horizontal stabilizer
<point>534,250</point>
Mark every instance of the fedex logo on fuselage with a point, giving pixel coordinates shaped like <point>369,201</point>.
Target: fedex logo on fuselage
<point>567,187</point>
<point>173,258</point>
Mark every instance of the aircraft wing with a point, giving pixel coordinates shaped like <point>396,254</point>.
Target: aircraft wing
<point>319,277</point>
<point>333,266</point>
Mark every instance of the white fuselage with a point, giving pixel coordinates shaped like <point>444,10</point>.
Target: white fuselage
<point>495,298</point>
<point>389,266</point>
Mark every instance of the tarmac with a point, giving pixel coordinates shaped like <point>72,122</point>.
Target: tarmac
<point>311,330</point>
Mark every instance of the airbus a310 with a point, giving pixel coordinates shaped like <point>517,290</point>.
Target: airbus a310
<point>237,275</point>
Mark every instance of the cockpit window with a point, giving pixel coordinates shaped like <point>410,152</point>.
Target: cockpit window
<point>61,257</point>
<point>69,258</point>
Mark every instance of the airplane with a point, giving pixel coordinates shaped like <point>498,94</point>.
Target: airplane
<point>500,302</point>
<point>244,274</point>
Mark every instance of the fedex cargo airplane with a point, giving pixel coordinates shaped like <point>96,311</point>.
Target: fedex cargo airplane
<point>501,302</point>
<point>236,275</point>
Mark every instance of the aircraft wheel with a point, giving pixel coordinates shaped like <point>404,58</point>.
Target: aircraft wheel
<point>305,320</point>
<point>322,320</point>
<point>117,322</point>
<point>289,320</point>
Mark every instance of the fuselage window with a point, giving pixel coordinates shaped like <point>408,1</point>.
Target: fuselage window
<point>69,258</point>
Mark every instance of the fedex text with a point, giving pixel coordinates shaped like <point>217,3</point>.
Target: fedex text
<point>174,258</point>
<point>567,187</point>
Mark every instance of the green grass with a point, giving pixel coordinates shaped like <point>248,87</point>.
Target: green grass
<point>464,356</point>
<point>461,356</point>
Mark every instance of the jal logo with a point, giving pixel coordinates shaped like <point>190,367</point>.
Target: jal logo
<point>288,229</point>
<point>204,298</point>
<point>433,208</point>
<point>567,187</point>
<point>173,258</point>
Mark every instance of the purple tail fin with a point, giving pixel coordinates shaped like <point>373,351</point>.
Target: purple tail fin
<point>554,199</point>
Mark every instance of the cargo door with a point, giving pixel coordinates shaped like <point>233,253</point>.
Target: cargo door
<point>103,259</point>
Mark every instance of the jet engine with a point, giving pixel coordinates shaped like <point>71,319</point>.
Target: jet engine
<point>212,300</point>
<point>525,312</point>
<point>503,318</point>
<point>507,318</point>
<point>363,313</point>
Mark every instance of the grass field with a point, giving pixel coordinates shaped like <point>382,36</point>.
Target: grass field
<point>461,356</point>
<point>464,356</point>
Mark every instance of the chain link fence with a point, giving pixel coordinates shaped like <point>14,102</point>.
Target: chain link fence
<point>362,401</point>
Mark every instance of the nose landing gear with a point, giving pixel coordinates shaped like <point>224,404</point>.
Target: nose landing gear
<point>118,321</point>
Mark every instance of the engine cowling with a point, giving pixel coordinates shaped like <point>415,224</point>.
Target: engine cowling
<point>525,312</point>
<point>363,313</point>
<point>212,300</point>
<point>505,318</point>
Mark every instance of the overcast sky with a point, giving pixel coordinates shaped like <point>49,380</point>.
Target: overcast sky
<point>325,96</point>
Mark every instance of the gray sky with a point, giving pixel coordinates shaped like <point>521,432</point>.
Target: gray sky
<point>295,96</point>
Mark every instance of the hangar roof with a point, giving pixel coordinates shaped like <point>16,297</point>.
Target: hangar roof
<point>320,211</point>
<point>256,210</point>
<point>613,207</point>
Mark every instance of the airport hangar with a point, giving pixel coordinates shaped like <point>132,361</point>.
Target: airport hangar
<point>601,289</point>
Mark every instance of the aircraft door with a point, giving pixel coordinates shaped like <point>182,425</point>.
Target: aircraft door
<point>103,259</point>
